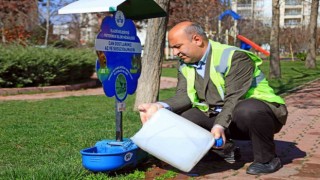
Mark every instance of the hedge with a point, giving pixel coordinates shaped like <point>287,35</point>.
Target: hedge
<point>34,66</point>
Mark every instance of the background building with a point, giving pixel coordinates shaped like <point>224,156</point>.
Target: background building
<point>89,28</point>
<point>293,13</point>
<point>251,9</point>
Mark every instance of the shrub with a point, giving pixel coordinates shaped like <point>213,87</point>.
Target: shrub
<point>31,66</point>
<point>65,44</point>
<point>301,56</point>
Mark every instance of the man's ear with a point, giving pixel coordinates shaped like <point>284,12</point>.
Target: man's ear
<point>197,39</point>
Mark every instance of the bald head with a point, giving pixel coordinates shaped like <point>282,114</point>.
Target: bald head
<point>188,41</point>
<point>190,28</point>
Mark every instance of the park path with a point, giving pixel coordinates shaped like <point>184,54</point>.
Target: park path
<point>67,90</point>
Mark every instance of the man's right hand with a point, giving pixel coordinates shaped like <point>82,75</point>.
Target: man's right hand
<point>147,110</point>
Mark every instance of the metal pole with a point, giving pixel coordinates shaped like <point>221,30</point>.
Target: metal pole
<point>118,122</point>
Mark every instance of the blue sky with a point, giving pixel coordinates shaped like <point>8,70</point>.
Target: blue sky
<point>55,6</point>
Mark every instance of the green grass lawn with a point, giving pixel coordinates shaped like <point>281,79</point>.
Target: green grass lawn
<point>294,74</point>
<point>169,72</point>
<point>42,139</point>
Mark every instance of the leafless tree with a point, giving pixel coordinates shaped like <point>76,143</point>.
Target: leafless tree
<point>204,12</point>
<point>293,39</point>
<point>47,23</point>
<point>312,46</point>
<point>48,15</point>
<point>275,71</point>
<point>17,19</point>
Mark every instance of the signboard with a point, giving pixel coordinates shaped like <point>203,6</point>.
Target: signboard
<point>119,56</point>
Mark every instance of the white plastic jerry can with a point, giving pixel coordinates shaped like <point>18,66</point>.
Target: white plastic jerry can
<point>174,140</point>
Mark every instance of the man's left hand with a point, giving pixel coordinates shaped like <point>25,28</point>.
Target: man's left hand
<point>218,131</point>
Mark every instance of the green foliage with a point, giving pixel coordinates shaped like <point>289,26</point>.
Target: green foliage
<point>33,66</point>
<point>136,175</point>
<point>65,44</point>
<point>301,56</point>
<point>167,175</point>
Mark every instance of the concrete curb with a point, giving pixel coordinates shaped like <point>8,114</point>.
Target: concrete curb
<point>166,82</point>
<point>28,90</point>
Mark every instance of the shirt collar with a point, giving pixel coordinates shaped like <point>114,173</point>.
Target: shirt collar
<point>203,60</point>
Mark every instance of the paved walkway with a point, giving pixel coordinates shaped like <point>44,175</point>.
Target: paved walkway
<point>298,143</point>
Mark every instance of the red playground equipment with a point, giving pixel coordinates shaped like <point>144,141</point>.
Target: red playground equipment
<point>254,45</point>
<point>234,32</point>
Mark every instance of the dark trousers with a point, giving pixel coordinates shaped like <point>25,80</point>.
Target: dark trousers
<point>251,120</point>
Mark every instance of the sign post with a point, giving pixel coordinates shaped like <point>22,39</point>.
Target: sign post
<point>118,122</point>
<point>118,68</point>
<point>119,61</point>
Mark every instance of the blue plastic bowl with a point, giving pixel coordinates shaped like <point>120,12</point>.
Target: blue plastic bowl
<point>110,155</point>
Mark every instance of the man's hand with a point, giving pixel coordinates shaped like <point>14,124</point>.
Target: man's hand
<point>218,131</point>
<point>147,110</point>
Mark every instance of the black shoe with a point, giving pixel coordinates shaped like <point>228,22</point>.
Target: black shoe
<point>264,168</point>
<point>230,153</point>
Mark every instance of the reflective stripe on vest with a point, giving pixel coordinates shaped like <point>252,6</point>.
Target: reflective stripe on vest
<point>219,68</point>
<point>223,66</point>
<point>191,91</point>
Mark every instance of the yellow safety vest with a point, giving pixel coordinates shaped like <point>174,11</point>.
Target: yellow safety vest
<point>219,68</point>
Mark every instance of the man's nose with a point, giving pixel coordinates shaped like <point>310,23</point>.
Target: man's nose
<point>175,52</point>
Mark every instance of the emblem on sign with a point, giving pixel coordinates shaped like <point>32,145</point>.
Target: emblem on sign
<point>119,17</point>
<point>119,56</point>
<point>128,156</point>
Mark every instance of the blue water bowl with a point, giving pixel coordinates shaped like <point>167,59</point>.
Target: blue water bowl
<point>112,155</point>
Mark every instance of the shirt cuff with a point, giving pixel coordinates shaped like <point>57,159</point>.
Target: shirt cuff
<point>165,105</point>
<point>218,126</point>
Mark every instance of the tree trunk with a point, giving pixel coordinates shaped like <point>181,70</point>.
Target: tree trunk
<point>275,71</point>
<point>3,37</point>
<point>48,24</point>
<point>149,81</point>
<point>291,52</point>
<point>312,45</point>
